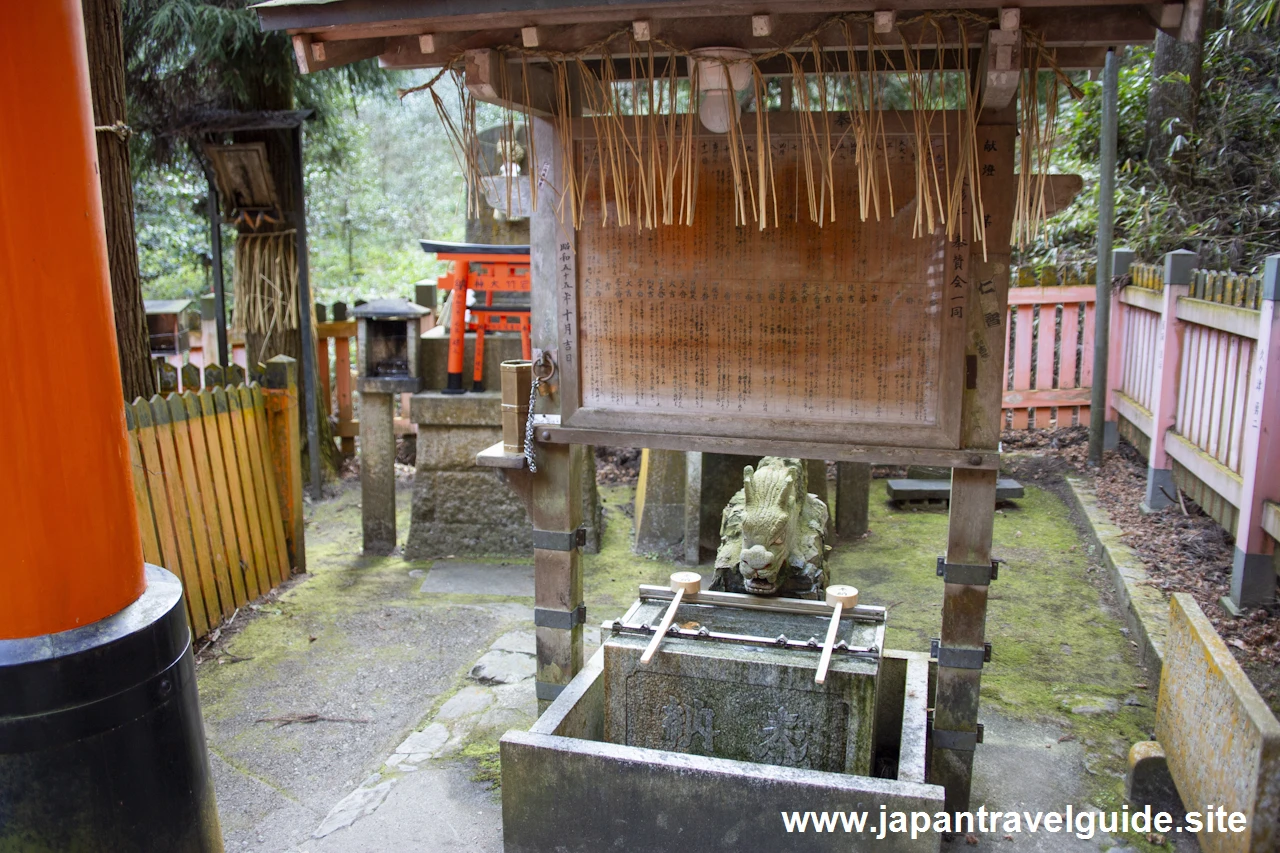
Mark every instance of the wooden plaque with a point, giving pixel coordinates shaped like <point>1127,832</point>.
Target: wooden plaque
<point>851,333</point>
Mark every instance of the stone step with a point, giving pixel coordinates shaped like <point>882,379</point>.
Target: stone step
<point>940,490</point>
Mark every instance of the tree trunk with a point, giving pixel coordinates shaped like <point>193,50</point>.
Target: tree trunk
<point>1174,97</point>
<point>104,36</point>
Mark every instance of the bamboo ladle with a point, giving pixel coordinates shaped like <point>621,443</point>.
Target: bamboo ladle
<point>839,597</point>
<point>681,582</point>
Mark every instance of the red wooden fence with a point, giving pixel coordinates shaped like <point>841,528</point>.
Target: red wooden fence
<point>1049,349</point>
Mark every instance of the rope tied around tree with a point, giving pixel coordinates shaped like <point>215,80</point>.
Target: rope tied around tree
<point>121,130</point>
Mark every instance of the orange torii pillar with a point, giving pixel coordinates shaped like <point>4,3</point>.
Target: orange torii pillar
<point>101,740</point>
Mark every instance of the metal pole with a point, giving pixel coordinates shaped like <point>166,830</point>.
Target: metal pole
<point>1106,228</point>
<point>219,286</point>
<point>308,378</point>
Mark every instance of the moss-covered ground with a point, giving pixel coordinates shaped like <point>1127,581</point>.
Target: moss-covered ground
<point>358,635</point>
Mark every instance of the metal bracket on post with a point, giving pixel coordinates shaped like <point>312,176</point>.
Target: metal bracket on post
<point>545,617</point>
<point>969,575</point>
<point>559,540</point>
<point>547,692</point>
<point>966,741</point>
<point>959,658</point>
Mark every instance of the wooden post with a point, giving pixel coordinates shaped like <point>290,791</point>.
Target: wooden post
<point>1161,492</point>
<point>280,387</point>
<point>1106,233</point>
<point>960,649</point>
<point>308,378</point>
<point>322,360</point>
<point>556,489</point>
<point>219,286</point>
<point>190,375</point>
<point>1253,575</point>
<point>342,379</point>
<point>166,376</point>
<point>1121,260</point>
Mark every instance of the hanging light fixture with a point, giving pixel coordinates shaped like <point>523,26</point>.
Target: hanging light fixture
<point>722,72</point>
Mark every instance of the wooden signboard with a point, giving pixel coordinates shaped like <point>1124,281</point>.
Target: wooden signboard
<point>852,333</point>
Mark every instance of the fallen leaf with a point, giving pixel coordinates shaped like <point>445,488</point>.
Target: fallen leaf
<point>311,639</point>
<point>1141,685</point>
<point>1008,838</point>
<point>1155,838</point>
<point>971,839</point>
<point>1239,645</point>
<point>1066,738</point>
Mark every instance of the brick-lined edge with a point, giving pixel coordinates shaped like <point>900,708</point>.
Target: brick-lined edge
<point>1146,611</point>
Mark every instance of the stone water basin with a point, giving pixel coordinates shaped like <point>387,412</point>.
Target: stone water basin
<point>706,746</point>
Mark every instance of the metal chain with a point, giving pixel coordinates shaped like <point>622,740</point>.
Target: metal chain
<point>528,428</point>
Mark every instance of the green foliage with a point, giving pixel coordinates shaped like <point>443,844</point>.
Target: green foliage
<point>186,57</point>
<point>1083,119</point>
<point>398,183</point>
<point>173,233</point>
<point>379,175</point>
<point>1221,194</point>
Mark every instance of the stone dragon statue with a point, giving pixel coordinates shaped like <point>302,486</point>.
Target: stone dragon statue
<point>772,534</point>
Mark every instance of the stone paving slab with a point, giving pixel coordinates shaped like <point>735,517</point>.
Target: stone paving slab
<point>454,576</point>
<point>439,809</point>
<point>504,699</point>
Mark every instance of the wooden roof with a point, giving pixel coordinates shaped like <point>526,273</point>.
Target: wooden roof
<point>432,33</point>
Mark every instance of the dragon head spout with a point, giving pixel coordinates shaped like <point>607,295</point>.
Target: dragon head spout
<point>769,526</point>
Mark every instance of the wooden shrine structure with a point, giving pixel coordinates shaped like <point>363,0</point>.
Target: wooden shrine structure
<point>825,278</point>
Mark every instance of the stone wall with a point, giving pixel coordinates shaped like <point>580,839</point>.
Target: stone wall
<point>459,508</point>
<point>433,357</point>
<point>1220,739</point>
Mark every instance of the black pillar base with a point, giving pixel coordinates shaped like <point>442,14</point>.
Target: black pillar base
<point>453,384</point>
<point>101,740</point>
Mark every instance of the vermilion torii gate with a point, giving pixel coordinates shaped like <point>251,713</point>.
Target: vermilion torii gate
<point>101,740</point>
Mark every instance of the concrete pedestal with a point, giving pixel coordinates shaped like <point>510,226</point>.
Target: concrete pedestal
<point>853,493</point>
<point>433,357</point>
<point>377,473</point>
<point>458,507</point>
<point>1161,490</point>
<point>660,503</point>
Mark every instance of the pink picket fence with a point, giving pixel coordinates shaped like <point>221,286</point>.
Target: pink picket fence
<point>1194,382</point>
